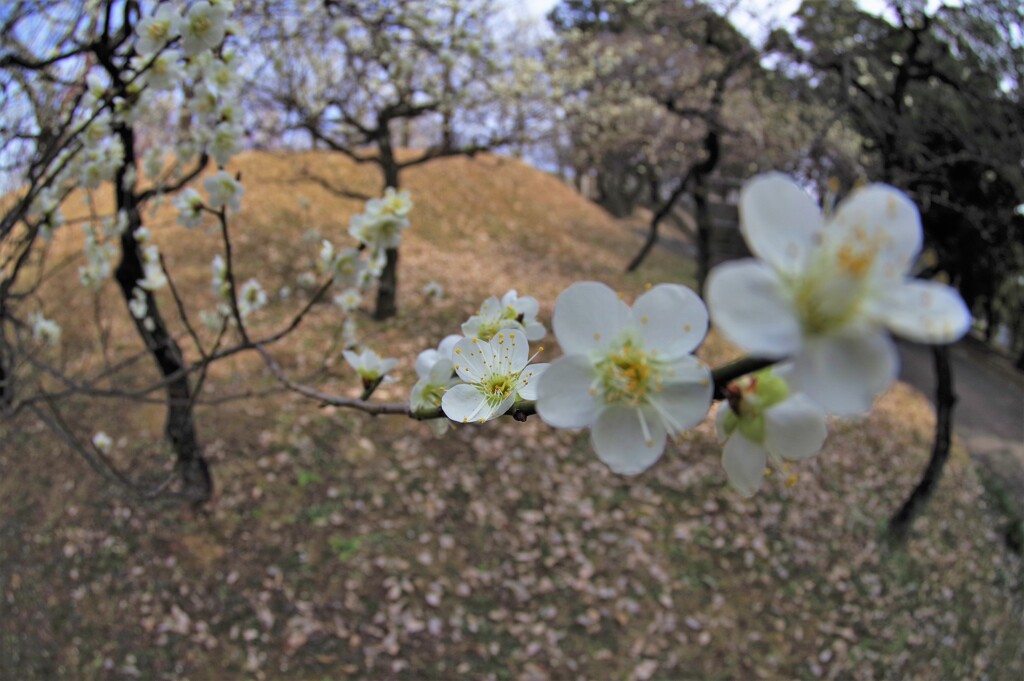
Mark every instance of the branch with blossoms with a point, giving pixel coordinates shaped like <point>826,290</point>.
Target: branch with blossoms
<point>814,309</point>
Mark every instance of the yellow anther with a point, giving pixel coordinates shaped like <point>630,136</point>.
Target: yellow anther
<point>792,480</point>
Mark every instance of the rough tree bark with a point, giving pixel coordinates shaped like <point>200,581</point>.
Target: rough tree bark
<point>180,428</point>
<point>387,290</point>
<point>697,173</point>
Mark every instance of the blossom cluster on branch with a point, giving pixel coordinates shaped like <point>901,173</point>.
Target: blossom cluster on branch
<point>818,302</point>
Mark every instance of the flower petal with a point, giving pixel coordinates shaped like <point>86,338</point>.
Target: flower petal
<point>685,395</point>
<point>747,305</point>
<point>441,372</point>
<point>672,320</point>
<point>882,212</point>
<point>534,330</point>
<point>924,311</point>
<point>529,380</point>
<point>844,374</point>
<point>464,403</point>
<point>472,357</point>
<point>778,220</point>
<point>794,428</point>
<point>588,316</point>
<point>352,358</point>
<point>563,393</point>
<point>744,462</point>
<point>511,351</point>
<point>619,439</point>
<point>425,361</point>
<point>447,346</point>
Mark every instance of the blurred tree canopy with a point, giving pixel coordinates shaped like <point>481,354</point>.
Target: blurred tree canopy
<point>935,99</point>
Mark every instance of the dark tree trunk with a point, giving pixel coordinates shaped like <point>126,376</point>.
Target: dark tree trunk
<point>387,290</point>
<point>697,173</point>
<point>945,399</point>
<point>180,428</point>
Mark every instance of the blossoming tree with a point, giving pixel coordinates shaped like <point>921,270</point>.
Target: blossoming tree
<point>814,308</point>
<point>357,76</point>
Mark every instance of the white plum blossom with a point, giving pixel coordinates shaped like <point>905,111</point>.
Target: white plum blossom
<point>762,423</point>
<point>225,141</point>
<point>433,290</point>
<point>378,231</point>
<point>165,72</point>
<point>138,305</point>
<point>158,30</point>
<point>349,299</point>
<point>114,227</point>
<point>153,162</point>
<point>627,374</point>
<point>43,329</point>
<point>397,203</point>
<point>153,271</point>
<point>190,208</point>
<point>219,280</point>
<point>496,373</point>
<point>102,442</point>
<point>511,312</point>
<point>204,27</point>
<point>98,258</point>
<point>224,191</point>
<point>251,297</point>
<point>370,366</point>
<point>825,290</point>
<point>435,370</point>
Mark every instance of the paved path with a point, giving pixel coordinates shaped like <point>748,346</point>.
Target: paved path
<point>989,413</point>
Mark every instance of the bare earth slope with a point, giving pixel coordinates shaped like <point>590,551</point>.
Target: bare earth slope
<point>342,546</point>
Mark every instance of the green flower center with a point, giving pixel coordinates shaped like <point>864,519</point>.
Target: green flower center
<point>200,24</point>
<point>497,388</point>
<point>628,375</point>
<point>157,30</point>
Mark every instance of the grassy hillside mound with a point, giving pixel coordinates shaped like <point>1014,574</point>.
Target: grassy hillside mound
<point>343,546</point>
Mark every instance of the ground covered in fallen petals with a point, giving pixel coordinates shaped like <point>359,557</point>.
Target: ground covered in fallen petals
<point>344,546</point>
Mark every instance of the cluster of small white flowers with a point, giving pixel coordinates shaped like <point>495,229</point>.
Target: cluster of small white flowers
<point>252,297</point>
<point>139,307</point>
<point>153,278</point>
<point>820,304</point>
<point>190,208</point>
<point>44,330</point>
<point>511,312</point>
<point>98,256</point>
<point>381,224</point>
<point>46,209</point>
<point>223,191</point>
<point>474,378</point>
